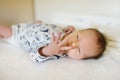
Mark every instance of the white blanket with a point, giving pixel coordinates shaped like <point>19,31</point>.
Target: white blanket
<point>15,64</point>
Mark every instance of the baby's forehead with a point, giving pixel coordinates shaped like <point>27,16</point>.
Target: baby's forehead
<point>89,43</point>
<point>89,40</point>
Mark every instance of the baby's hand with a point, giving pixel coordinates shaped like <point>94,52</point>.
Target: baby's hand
<point>69,29</point>
<point>55,47</point>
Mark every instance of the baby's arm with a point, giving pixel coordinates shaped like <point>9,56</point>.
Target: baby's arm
<point>55,47</point>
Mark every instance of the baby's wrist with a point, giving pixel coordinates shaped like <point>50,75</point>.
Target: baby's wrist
<point>42,51</point>
<point>46,51</point>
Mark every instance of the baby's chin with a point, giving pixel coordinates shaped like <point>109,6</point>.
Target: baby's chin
<point>75,57</point>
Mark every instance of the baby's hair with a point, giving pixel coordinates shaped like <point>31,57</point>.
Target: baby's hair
<point>101,41</point>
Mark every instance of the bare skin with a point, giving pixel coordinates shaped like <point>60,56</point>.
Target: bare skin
<point>5,32</point>
<point>85,45</point>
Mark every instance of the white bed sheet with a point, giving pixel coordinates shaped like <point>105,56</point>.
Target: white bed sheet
<point>15,64</point>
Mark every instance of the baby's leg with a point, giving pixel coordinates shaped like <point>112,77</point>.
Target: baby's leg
<point>5,32</point>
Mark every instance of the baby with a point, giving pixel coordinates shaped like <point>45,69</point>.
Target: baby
<point>47,42</point>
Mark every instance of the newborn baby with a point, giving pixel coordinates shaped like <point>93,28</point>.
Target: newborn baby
<point>36,39</point>
<point>87,43</point>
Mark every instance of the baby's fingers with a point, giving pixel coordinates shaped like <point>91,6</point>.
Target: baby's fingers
<point>65,48</point>
<point>58,37</point>
<point>53,37</point>
<point>69,31</point>
<point>63,42</point>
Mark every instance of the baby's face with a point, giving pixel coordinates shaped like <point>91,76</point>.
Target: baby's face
<point>84,44</point>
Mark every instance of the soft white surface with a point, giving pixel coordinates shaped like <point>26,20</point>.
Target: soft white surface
<point>15,64</point>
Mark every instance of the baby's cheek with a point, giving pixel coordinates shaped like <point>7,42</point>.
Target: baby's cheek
<point>73,54</point>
